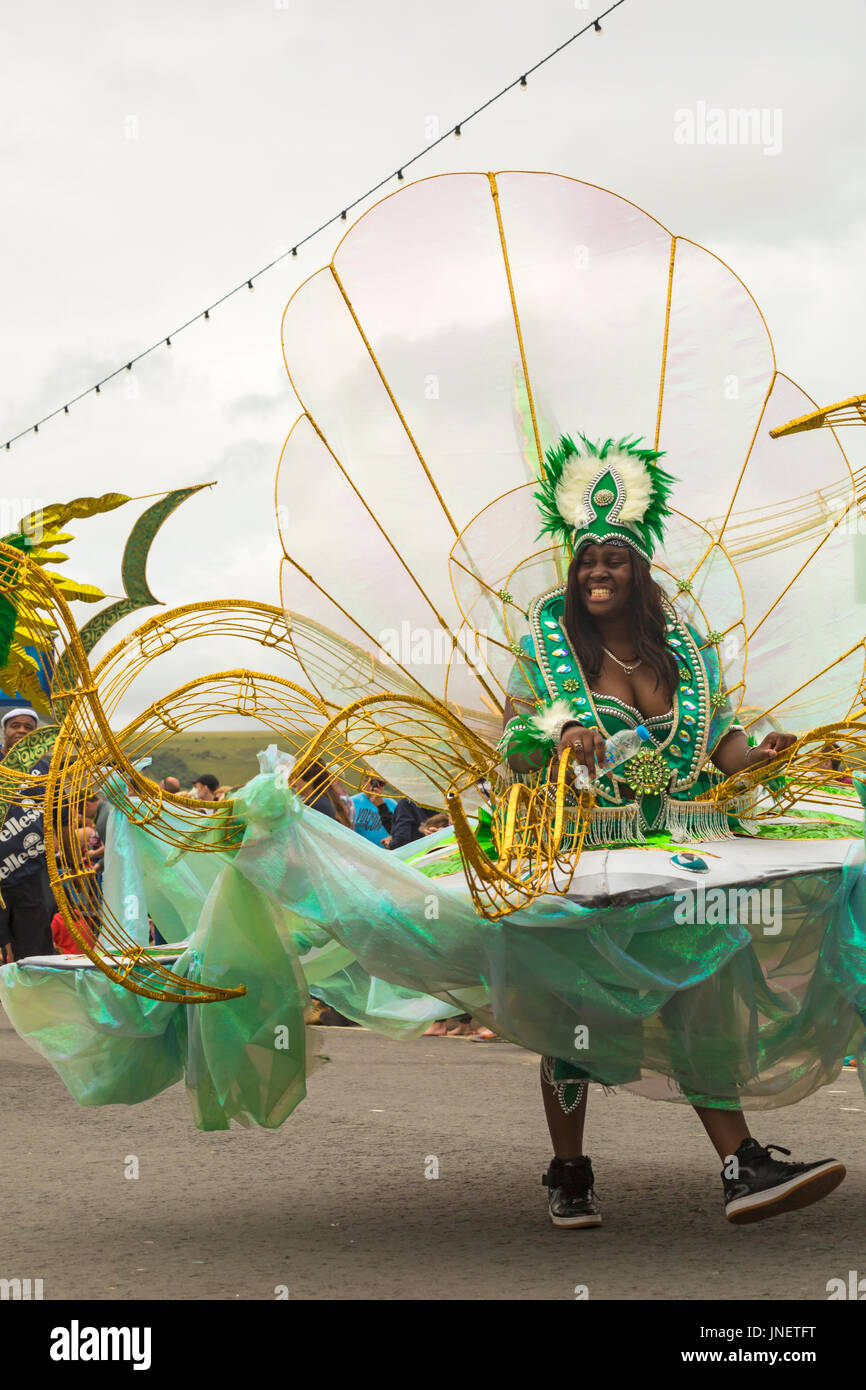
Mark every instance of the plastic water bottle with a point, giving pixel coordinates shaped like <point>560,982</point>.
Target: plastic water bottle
<point>617,749</point>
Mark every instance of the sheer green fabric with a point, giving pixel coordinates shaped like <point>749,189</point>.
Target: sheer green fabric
<point>626,991</point>
<point>243,1059</point>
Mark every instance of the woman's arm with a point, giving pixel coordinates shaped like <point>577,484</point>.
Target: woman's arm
<point>520,763</point>
<point>587,745</point>
<point>733,754</point>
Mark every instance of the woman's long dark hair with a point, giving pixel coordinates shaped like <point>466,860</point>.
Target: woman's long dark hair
<point>319,782</point>
<point>648,624</point>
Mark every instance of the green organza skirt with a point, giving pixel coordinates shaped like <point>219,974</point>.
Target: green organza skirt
<point>621,984</point>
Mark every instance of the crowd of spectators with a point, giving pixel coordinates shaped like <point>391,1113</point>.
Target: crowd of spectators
<point>30,924</point>
<point>390,824</point>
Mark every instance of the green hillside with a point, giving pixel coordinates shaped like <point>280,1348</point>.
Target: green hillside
<point>229,754</point>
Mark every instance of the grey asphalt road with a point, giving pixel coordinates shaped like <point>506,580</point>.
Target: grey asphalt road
<point>336,1204</point>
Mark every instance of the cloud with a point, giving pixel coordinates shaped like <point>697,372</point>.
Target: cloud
<point>257,121</point>
<point>258,403</point>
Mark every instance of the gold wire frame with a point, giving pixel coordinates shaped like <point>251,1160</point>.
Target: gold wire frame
<point>538,826</point>
<point>535,830</point>
<point>87,751</point>
<point>804,774</point>
<point>733,534</point>
<point>851,411</point>
<point>79,764</point>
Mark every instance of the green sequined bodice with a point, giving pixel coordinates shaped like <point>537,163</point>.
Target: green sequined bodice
<point>675,763</point>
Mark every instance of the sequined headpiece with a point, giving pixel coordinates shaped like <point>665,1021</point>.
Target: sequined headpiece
<point>604,492</point>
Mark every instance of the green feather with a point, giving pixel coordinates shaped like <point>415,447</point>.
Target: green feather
<point>7,629</point>
<point>524,740</point>
<point>8,610</point>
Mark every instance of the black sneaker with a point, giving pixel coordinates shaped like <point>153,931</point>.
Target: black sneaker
<point>765,1186</point>
<point>571,1200</point>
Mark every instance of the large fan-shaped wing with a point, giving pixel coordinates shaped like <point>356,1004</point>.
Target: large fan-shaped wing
<point>463,323</point>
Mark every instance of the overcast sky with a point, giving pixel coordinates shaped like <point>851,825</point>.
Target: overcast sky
<point>156,154</point>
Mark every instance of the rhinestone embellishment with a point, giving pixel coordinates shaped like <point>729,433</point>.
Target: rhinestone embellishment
<point>646,772</point>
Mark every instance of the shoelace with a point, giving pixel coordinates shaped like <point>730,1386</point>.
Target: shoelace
<point>765,1149</point>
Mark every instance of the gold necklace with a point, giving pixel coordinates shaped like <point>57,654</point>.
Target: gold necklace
<point>624,664</point>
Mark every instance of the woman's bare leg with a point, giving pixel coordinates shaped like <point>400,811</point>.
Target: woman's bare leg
<point>566,1131</point>
<point>726,1129</point>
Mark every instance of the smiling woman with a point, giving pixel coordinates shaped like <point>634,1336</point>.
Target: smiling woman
<point>611,601</point>
<point>610,649</point>
<point>608,654</point>
<point>559,921</point>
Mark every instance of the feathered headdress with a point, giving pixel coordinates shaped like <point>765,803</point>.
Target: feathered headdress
<point>605,492</point>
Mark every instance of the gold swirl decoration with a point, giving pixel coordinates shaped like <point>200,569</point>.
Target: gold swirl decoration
<point>537,826</point>
<point>805,775</point>
<point>400,732</point>
<point>88,753</point>
<point>531,824</point>
<point>530,833</point>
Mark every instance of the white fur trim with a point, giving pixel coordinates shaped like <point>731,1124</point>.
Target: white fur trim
<point>579,473</point>
<point>549,721</point>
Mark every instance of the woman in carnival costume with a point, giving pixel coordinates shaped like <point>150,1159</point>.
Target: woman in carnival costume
<point>470,282</point>
<point>606,654</point>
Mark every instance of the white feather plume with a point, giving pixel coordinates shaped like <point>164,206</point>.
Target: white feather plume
<point>637,480</point>
<point>579,473</point>
<point>549,721</point>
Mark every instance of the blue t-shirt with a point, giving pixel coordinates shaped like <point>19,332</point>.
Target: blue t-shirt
<point>368,822</point>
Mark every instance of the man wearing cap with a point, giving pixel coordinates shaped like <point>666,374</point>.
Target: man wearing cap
<point>25,917</point>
